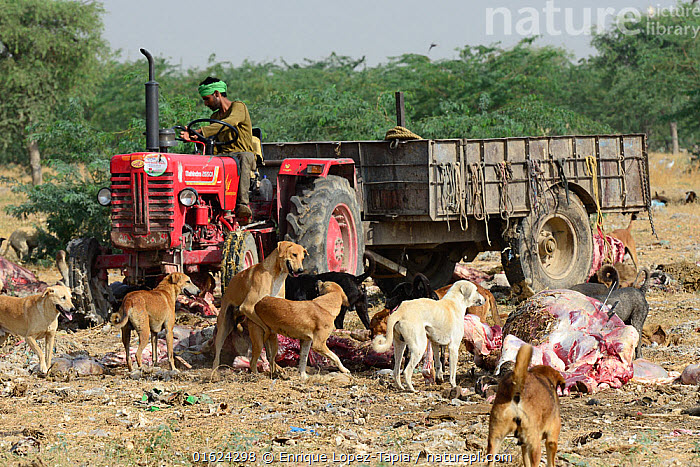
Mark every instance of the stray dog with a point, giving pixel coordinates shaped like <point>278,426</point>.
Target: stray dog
<point>630,305</point>
<point>36,317</point>
<point>304,287</point>
<point>149,311</point>
<point>482,310</point>
<point>625,236</point>
<point>690,197</point>
<point>422,319</point>
<point>418,288</point>
<point>608,278</point>
<point>21,242</point>
<point>310,321</point>
<point>250,285</point>
<point>527,404</point>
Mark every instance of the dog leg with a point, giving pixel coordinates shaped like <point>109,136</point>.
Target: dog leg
<point>224,326</point>
<point>551,447</point>
<point>439,376</point>
<point>48,343</point>
<point>37,350</point>
<point>303,357</point>
<point>413,362</point>
<point>257,336</point>
<point>338,321</point>
<point>361,307</point>
<point>126,340</point>
<point>144,337</point>
<point>323,349</point>
<point>454,355</point>
<point>154,348</point>
<point>272,347</point>
<point>534,449</point>
<point>169,344</point>
<point>399,348</point>
<point>498,430</point>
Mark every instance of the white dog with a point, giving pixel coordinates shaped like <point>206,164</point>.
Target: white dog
<point>441,321</point>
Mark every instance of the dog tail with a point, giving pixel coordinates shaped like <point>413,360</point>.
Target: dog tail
<point>381,343</point>
<point>522,361</point>
<point>371,266</point>
<point>120,318</point>
<point>645,284</point>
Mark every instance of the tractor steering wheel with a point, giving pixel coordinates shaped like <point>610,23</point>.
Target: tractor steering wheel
<point>211,140</point>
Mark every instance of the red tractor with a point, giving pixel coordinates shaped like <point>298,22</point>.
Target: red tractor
<point>416,205</point>
<point>175,212</point>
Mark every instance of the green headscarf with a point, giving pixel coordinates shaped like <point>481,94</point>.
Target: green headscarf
<point>208,89</point>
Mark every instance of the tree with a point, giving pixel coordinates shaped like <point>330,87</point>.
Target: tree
<point>49,50</point>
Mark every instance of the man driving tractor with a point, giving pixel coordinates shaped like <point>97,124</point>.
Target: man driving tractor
<point>235,113</point>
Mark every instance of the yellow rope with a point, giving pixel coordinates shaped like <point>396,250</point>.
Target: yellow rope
<point>399,132</point>
<point>592,170</point>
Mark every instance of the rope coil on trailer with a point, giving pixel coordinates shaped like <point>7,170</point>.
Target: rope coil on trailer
<point>478,186</point>
<point>452,194</point>
<point>399,133</point>
<point>504,172</point>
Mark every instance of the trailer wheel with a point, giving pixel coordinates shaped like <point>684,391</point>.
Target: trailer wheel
<point>325,219</point>
<point>90,293</point>
<point>240,252</point>
<point>553,249</point>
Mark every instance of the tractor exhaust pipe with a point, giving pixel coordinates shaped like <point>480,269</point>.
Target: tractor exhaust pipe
<point>152,124</point>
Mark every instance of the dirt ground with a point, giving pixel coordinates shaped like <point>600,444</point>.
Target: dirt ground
<point>359,420</point>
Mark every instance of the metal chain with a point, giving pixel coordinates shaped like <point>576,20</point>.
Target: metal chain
<point>647,194</point>
<point>623,181</point>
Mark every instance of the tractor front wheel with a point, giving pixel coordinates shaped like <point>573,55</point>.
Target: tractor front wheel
<point>239,253</point>
<point>90,293</point>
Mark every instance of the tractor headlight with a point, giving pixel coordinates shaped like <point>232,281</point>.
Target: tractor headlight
<point>104,196</point>
<point>188,197</point>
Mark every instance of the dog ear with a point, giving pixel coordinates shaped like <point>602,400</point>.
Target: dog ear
<point>173,279</point>
<point>306,253</point>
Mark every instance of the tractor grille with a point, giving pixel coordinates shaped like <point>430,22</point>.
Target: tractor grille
<point>142,204</point>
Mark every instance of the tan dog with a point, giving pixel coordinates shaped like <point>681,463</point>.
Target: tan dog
<point>482,310</point>
<point>625,236</point>
<point>36,317</point>
<point>418,321</point>
<point>527,404</point>
<point>148,312</point>
<point>310,321</point>
<point>249,286</point>
<point>377,325</point>
<point>21,242</point>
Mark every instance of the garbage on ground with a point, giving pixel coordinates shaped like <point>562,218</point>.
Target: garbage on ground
<point>691,374</point>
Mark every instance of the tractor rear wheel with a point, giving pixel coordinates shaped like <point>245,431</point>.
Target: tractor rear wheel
<point>554,248</point>
<point>239,253</point>
<point>90,293</point>
<point>325,219</point>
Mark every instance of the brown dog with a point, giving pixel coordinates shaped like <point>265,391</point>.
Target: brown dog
<point>36,317</point>
<point>150,311</point>
<point>527,404</point>
<point>625,236</point>
<point>21,242</point>
<point>310,321</point>
<point>482,310</point>
<point>249,286</point>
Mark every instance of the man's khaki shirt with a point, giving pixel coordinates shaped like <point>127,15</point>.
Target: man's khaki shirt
<point>237,116</point>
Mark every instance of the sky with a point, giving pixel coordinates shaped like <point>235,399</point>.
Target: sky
<point>295,30</point>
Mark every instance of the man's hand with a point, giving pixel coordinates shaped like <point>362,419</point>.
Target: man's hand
<point>187,137</point>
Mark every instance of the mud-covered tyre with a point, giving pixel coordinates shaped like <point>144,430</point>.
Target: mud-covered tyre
<point>553,248</point>
<point>325,219</point>
<point>91,296</point>
<point>239,253</point>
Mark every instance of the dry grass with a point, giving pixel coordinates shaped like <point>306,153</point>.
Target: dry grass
<point>673,175</point>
